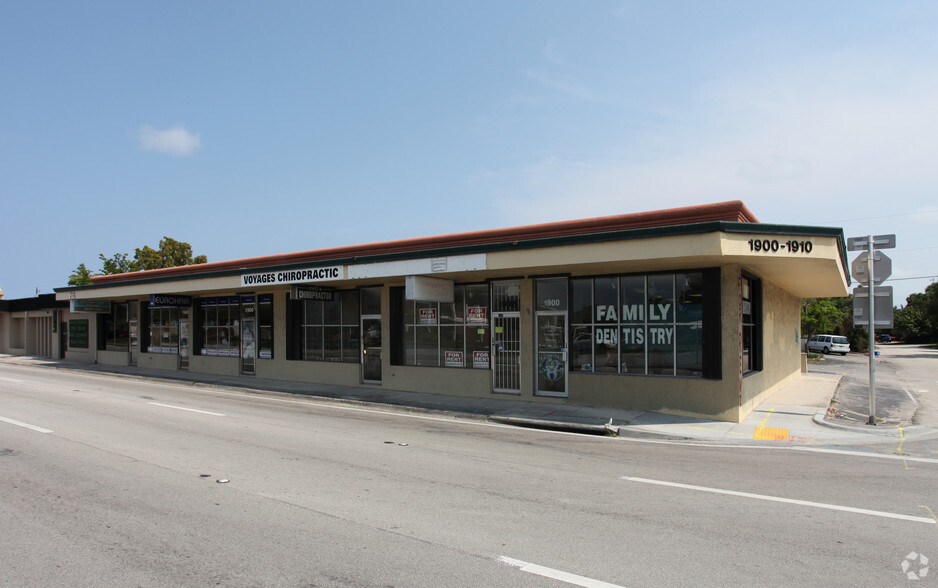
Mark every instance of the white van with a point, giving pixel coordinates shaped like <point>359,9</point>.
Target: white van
<point>829,344</point>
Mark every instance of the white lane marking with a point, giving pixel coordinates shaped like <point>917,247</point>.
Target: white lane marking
<point>12,380</point>
<point>909,394</point>
<point>877,513</point>
<point>556,574</point>
<point>25,425</point>
<point>184,408</point>
<point>866,454</point>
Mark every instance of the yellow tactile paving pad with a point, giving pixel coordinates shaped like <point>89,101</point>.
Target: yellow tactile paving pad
<point>770,434</point>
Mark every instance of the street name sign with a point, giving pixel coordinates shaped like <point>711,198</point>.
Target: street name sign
<point>879,242</point>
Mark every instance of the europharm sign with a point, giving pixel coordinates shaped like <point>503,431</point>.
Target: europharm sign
<point>296,276</point>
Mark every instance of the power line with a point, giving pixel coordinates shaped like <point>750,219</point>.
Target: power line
<point>913,278</point>
<point>847,220</point>
<point>917,248</point>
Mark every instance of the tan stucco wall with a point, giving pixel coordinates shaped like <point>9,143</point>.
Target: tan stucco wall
<point>8,335</point>
<point>220,366</point>
<point>121,358</point>
<point>159,361</point>
<point>315,372</point>
<point>781,358</point>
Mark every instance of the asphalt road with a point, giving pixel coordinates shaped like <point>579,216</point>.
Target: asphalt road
<point>906,390</point>
<point>113,481</point>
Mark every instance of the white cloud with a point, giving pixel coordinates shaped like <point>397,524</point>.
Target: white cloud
<point>174,141</point>
<point>850,130</point>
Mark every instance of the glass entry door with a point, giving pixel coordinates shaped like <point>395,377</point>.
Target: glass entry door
<point>551,295</point>
<point>371,349</point>
<point>371,334</point>
<point>248,335</point>
<point>134,326</point>
<point>552,354</point>
<point>185,313</point>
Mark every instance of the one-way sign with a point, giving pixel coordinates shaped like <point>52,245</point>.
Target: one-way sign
<point>879,242</point>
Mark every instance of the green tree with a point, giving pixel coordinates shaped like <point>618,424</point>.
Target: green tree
<point>824,315</point>
<point>917,321</point>
<point>80,277</point>
<point>172,253</point>
<point>911,323</point>
<point>833,316</point>
<point>119,264</point>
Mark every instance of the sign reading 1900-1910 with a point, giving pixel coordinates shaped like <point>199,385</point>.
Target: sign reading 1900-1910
<point>776,246</point>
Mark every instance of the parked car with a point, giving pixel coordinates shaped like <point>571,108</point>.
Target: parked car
<point>829,344</point>
<point>884,338</point>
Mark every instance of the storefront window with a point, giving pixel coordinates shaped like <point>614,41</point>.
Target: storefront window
<point>117,328</point>
<point>689,290</point>
<point>638,324</point>
<point>751,313</point>
<point>331,328</point>
<point>449,334</point>
<point>164,330</point>
<point>632,347</point>
<point>220,323</point>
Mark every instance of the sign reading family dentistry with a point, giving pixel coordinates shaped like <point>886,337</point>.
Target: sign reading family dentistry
<point>315,274</point>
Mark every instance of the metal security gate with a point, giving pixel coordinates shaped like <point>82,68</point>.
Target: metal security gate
<point>506,337</point>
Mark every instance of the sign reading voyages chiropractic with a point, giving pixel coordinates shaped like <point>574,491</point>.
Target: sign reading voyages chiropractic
<point>312,293</point>
<point>296,276</point>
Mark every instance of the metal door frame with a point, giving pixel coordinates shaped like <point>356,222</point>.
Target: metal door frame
<point>364,349</point>
<point>133,330</point>
<point>564,351</point>
<point>184,335</point>
<point>506,312</point>
<point>247,315</point>
<point>505,378</point>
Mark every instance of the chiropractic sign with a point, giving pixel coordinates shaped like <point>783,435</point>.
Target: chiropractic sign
<point>297,276</point>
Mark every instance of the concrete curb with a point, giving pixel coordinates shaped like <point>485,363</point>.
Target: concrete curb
<point>554,425</point>
<point>884,431</point>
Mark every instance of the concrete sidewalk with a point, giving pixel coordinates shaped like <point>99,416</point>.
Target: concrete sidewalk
<point>795,415</point>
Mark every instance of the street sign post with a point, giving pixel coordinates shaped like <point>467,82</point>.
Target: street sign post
<point>872,269</point>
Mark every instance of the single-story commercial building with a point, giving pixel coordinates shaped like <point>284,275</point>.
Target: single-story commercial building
<point>33,326</point>
<point>692,311</point>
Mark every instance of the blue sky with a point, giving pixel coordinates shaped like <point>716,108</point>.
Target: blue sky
<point>250,129</point>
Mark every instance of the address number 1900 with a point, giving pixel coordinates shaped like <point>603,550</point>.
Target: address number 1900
<point>774,246</point>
